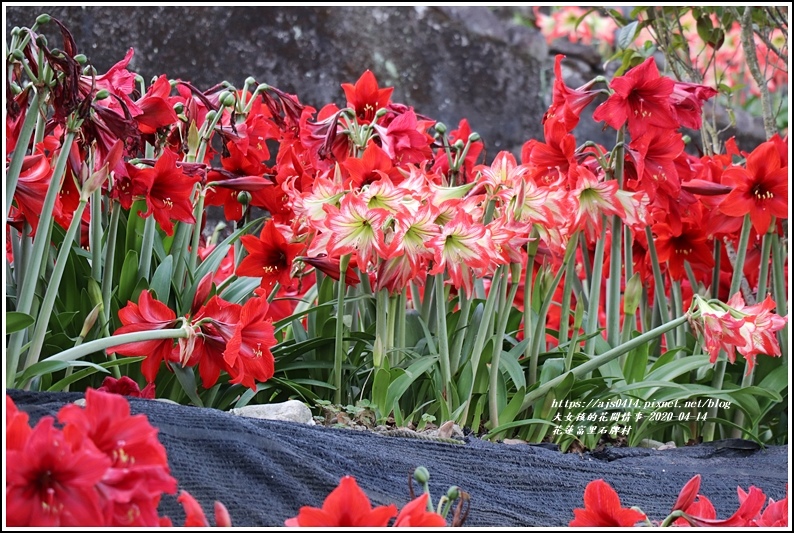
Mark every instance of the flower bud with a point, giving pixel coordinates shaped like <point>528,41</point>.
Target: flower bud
<point>459,144</point>
<point>250,80</point>
<point>453,492</point>
<point>179,108</point>
<point>41,41</point>
<point>244,197</point>
<point>101,94</point>
<point>90,320</point>
<point>211,115</point>
<point>262,87</point>
<point>380,112</point>
<point>43,19</point>
<point>421,475</point>
<point>441,128</point>
<point>81,59</point>
<point>474,137</point>
<point>632,294</point>
<point>18,55</point>
<point>226,99</point>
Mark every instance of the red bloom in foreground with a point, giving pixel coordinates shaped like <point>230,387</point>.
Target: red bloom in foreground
<point>415,514</point>
<point>149,314</point>
<point>346,506</point>
<point>269,257</point>
<point>51,482</point>
<point>641,97</point>
<point>750,505</point>
<point>602,508</point>
<point>761,190</point>
<point>126,386</point>
<point>139,472</point>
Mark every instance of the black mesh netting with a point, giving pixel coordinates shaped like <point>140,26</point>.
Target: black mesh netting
<point>264,471</point>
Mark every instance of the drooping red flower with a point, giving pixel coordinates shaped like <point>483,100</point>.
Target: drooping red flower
<point>331,268</point>
<point>641,98</point>
<point>139,473</point>
<point>760,189</point>
<point>758,328</point>
<point>166,189</point>
<point>51,482</point>
<point>602,508</point>
<point>750,505</point>
<point>34,180</point>
<point>775,514</point>
<point>216,321</point>
<point>720,330</point>
<point>126,386</point>
<point>415,514</point>
<point>269,256</point>
<point>365,97</point>
<point>148,314</point>
<point>248,351</point>
<point>552,160</point>
<point>687,100</point>
<point>156,107</point>
<point>346,506</point>
<point>566,103</point>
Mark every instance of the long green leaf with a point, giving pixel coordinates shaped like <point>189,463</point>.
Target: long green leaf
<point>398,386</point>
<point>77,376</point>
<point>16,321</point>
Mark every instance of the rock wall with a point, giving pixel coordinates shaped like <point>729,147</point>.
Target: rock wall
<point>447,62</point>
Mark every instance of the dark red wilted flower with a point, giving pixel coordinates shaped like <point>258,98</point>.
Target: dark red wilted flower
<point>365,97</point>
<point>126,386</point>
<point>346,506</point>
<point>602,508</point>
<point>641,98</point>
<point>760,190</point>
<point>147,315</point>
<point>269,257</point>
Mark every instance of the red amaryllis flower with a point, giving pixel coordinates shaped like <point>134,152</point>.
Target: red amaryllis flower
<point>147,315</point>
<point>602,508</point>
<point>373,165</point>
<point>194,513</point>
<point>415,514</point>
<point>34,180</point>
<point>687,495</point>
<point>553,159</point>
<point>217,322</point>
<point>750,505</point>
<point>365,97</point>
<point>641,97</point>
<point>775,514</point>
<point>17,427</point>
<point>758,328</point>
<point>687,100</point>
<point>331,268</point>
<point>760,190</point>
<point>269,256</point>
<point>690,244</point>
<point>248,351</point>
<point>405,140</point>
<point>167,190</point>
<point>719,329</point>
<point>156,107</point>
<point>346,506</point>
<point>126,386</point>
<point>441,163</point>
<point>51,482</point>
<point>139,471</point>
<point>566,103</point>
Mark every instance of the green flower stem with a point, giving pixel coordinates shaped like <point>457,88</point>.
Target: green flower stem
<point>147,246</point>
<point>672,517</point>
<point>715,274</point>
<point>588,268</point>
<point>428,301</point>
<point>402,305</point>
<point>95,235</point>
<point>381,327</point>
<point>602,359</point>
<point>529,271</point>
<point>26,294</point>
<point>539,333</point>
<point>104,343</point>
<point>690,275</point>
<point>779,287</point>
<point>460,334</point>
<point>565,305</point>
<point>483,334</point>
<point>763,276</point>
<point>442,336</point>
<point>506,304</point>
<point>12,175</point>
<point>110,257</point>
<point>615,266</point>
<point>658,292</point>
<point>678,304</point>
<point>194,245</point>
<point>391,321</point>
<point>178,247</point>
<point>339,349</point>
<point>43,319</point>
<point>594,294</point>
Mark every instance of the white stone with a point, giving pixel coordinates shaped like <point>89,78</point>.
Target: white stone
<point>289,411</point>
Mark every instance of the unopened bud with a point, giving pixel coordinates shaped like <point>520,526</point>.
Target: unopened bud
<point>211,115</point>
<point>244,197</point>
<point>90,320</point>
<point>226,99</point>
<point>81,59</point>
<point>458,145</point>
<point>262,87</point>
<point>250,80</point>
<point>101,94</point>
<point>179,108</point>
<point>453,492</point>
<point>441,128</point>
<point>686,138</point>
<point>18,55</point>
<point>632,294</point>
<point>421,475</point>
<point>474,137</point>
<point>41,41</point>
<point>380,112</point>
<point>43,19</point>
